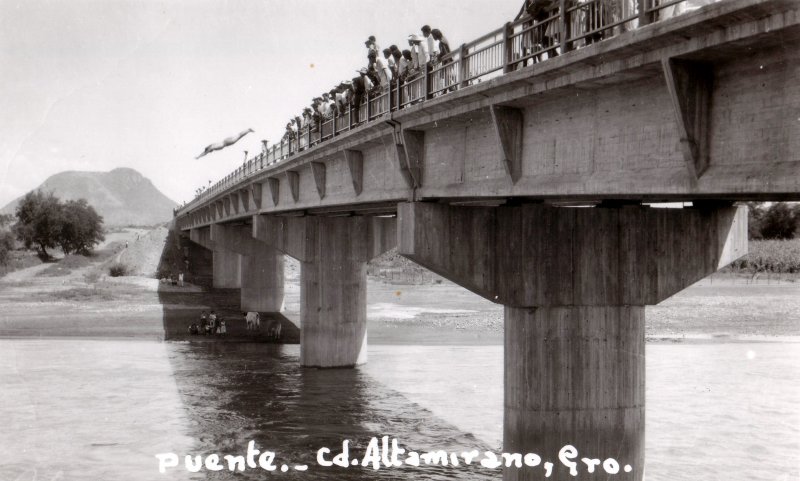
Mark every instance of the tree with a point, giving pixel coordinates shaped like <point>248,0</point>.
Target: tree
<point>81,227</point>
<point>6,245</point>
<point>755,220</point>
<point>39,221</point>
<point>779,222</point>
<point>6,219</point>
<point>45,222</point>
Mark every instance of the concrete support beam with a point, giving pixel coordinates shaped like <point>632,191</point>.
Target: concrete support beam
<point>574,283</point>
<point>244,194</point>
<point>355,165</point>
<point>274,184</point>
<point>690,85</point>
<point>333,252</point>
<point>565,256</point>
<point>409,145</point>
<point>293,179</point>
<point>255,191</point>
<point>508,125</point>
<point>318,171</point>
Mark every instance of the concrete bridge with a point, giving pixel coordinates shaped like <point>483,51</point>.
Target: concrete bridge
<point>476,173</point>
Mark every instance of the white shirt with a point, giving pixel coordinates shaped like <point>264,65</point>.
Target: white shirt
<point>415,56</point>
<point>430,41</point>
<point>385,74</point>
<point>402,66</point>
<point>425,50</point>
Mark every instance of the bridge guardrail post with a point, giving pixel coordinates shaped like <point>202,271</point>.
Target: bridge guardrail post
<point>564,28</point>
<point>508,53</point>
<point>426,88</point>
<point>644,16</point>
<point>463,72</point>
<point>350,117</point>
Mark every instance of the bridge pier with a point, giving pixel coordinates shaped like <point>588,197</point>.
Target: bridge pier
<point>227,269</point>
<point>574,283</point>
<point>242,262</point>
<point>262,281</point>
<point>333,252</point>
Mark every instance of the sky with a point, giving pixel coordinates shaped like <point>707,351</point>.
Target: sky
<point>100,84</point>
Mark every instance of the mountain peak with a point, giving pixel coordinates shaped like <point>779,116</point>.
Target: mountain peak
<point>122,196</point>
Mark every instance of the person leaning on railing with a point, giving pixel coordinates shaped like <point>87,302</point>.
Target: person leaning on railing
<point>405,66</point>
<point>361,85</point>
<point>397,58</point>
<point>372,72</point>
<point>444,45</point>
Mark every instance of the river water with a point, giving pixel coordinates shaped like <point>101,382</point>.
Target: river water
<point>102,409</point>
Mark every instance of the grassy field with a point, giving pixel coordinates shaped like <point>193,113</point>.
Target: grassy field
<point>777,256</point>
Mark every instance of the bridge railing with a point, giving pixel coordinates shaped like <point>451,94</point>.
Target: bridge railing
<point>525,41</point>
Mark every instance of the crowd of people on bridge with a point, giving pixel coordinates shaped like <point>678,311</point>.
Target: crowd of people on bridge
<point>393,66</point>
<point>383,67</point>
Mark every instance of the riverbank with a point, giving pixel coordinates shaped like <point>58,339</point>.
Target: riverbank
<point>83,301</point>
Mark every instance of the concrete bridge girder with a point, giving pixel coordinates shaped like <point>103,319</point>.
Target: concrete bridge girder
<point>574,283</point>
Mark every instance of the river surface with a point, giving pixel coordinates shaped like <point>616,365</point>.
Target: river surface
<point>102,409</point>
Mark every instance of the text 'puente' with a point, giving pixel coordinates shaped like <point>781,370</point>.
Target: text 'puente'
<point>475,172</point>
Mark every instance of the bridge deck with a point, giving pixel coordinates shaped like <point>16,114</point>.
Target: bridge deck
<point>703,105</point>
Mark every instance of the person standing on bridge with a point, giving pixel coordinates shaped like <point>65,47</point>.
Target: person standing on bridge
<point>405,65</point>
<point>426,46</point>
<point>372,45</point>
<point>397,58</point>
<point>361,85</point>
<point>382,68</point>
<point>417,56</point>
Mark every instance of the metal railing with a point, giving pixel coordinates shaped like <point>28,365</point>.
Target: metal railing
<point>574,24</point>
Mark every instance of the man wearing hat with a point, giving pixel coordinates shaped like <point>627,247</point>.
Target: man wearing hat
<point>417,51</point>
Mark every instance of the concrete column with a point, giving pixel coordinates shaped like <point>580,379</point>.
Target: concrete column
<point>333,296</point>
<point>334,252</point>
<point>262,280</point>
<point>574,283</point>
<point>575,375</point>
<point>227,269</point>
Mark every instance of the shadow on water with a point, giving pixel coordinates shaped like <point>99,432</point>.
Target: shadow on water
<point>237,392</point>
<point>182,306</point>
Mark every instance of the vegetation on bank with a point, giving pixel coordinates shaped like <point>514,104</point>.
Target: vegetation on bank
<point>779,221</point>
<point>41,222</point>
<point>45,222</point>
<point>776,256</point>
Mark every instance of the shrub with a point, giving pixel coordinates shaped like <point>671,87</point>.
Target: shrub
<point>117,269</point>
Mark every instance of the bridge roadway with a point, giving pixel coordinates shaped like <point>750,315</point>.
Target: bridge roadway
<point>704,107</point>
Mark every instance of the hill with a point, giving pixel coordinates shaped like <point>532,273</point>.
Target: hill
<point>122,196</point>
